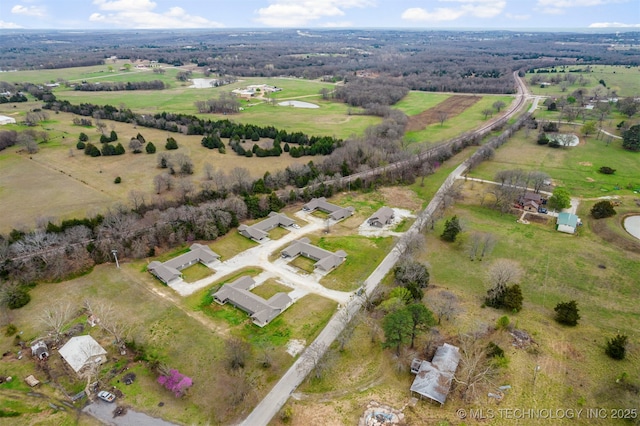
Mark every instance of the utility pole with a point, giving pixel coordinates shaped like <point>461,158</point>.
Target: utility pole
<point>115,255</point>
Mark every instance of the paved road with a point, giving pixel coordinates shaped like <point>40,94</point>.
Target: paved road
<point>103,411</point>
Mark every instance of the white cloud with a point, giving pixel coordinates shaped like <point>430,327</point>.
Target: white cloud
<point>558,7</point>
<point>8,25</point>
<point>475,8</point>
<point>517,17</point>
<point>19,9</point>
<point>140,14</point>
<point>299,13</point>
<point>341,24</point>
<point>613,25</point>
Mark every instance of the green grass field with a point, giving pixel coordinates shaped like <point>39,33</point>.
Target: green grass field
<point>625,81</point>
<point>575,168</point>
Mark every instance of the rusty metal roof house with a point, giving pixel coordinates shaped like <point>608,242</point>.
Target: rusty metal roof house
<point>382,217</point>
<point>325,260</point>
<point>261,311</point>
<point>170,270</point>
<point>335,212</point>
<point>433,379</point>
<point>260,230</point>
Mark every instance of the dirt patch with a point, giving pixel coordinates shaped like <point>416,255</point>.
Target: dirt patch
<point>536,218</point>
<point>585,163</point>
<point>452,107</point>
<point>590,179</point>
<point>400,197</point>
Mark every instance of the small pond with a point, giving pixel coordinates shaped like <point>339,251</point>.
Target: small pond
<point>298,104</point>
<point>632,225</point>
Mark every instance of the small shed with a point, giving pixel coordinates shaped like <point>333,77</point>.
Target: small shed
<point>31,380</point>
<point>433,379</point>
<point>567,223</point>
<point>40,350</point>
<point>382,217</point>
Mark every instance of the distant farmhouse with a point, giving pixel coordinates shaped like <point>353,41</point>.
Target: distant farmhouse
<point>260,230</point>
<point>567,223</point>
<point>335,212</point>
<point>170,270</point>
<point>433,379</point>
<point>261,311</point>
<point>382,217</point>
<point>325,260</point>
<point>81,352</point>
<point>254,89</point>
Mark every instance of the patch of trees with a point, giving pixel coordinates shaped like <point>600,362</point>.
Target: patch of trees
<point>362,92</point>
<point>560,199</point>
<point>616,347</point>
<point>118,86</point>
<point>113,136</point>
<point>631,138</point>
<point>192,125</point>
<point>504,292</point>
<point>226,103</point>
<point>8,138</point>
<point>16,97</point>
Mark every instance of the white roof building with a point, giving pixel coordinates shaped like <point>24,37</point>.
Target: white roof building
<point>82,351</point>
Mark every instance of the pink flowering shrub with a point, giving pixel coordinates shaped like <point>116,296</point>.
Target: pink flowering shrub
<point>176,382</point>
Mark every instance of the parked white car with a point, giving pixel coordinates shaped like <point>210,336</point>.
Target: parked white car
<point>106,396</point>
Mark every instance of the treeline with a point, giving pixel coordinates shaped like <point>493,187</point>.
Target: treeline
<point>117,86</point>
<point>192,125</point>
<point>8,138</point>
<point>16,97</point>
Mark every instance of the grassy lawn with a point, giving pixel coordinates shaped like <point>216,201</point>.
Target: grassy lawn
<point>363,255</point>
<point>196,272</point>
<point>231,244</point>
<point>304,264</point>
<point>270,288</point>
<point>575,168</point>
<point>277,233</point>
<point>624,81</point>
<point>416,102</point>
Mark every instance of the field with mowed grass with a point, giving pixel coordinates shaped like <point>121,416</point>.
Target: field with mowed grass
<point>621,79</point>
<point>576,168</point>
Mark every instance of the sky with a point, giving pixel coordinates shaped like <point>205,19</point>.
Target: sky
<point>415,14</point>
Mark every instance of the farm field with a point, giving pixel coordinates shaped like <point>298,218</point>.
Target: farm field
<point>575,168</point>
<point>625,81</point>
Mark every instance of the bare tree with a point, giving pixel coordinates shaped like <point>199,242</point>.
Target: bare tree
<point>348,323</point>
<point>28,141</point>
<point>110,320</point>
<point>498,105</point>
<point>538,180</point>
<point>137,198</point>
<point>55,318</point>
<point>487,112</point>
<point>445,305</point>
<point>185,188</point>
<point>209,171</point>
<point>442,117</point>
<point>475,370</point>
<point>316,359</point>
<point>236,353</point>
<point>240,178</point>
<point>500,274</point>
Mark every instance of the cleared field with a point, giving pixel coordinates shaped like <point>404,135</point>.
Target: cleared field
<point>79,185</point>
<point>416,102</point>
<point>450,107</point>
<point>464,121</point>
<point>575,168</point>
<point>625,81</point>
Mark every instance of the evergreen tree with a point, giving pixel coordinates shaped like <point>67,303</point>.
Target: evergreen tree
<point>171,144</point>
<point>617,347</point>
<point>113,137</point>
<point>451,229</point>
<point>150,148</point>
<point>567,313</point>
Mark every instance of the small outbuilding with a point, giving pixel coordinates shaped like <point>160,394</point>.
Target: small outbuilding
<point>40,350</point>
<point>567,223</point>
<point>81,352</point>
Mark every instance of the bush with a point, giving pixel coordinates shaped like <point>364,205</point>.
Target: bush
<point>513,298</point>
<point>543,139</point>
<point>607,170</point>
<point>117,180</point>
<point>11,330</point>
<point>550,127</point>
<point>81,145</point>
<point>602,209</point>
<point>567,313</point>
<point>451,229</point>
<point>617,347</point>
<point>171,144</point>
<point>150,148</point>
<point>16,297</point>
<point>494,350</point>
<point>83,137</point>
<point>502,323</point>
